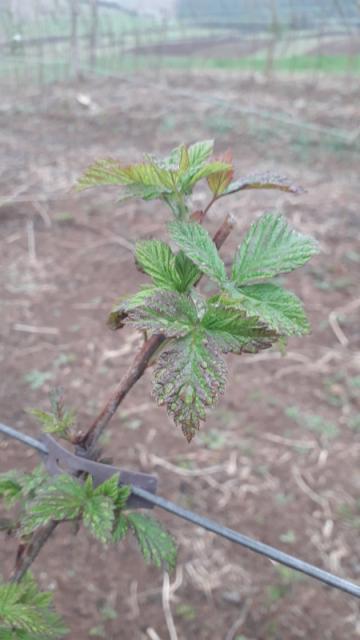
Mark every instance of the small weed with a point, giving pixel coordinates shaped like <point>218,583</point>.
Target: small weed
<point>108,613</point>
<point>213,439</point>
<point>220,124</point>
<point>186,611</point>
<point>36,379</point>
<point>286,579</point>
<point>63,217</point>
<point>275,592</point>
<point>350,514</point>
<point>288,576</point>
<point>354,422</point>
<point>282,499</point>
<point>272,629</point>
<point>289,537</point>
<point>98,631</point>
<point>168,123</point>
<point>133,424</point>
<point>312,422</point>
<point>64,359</point>
<point>183,463</point>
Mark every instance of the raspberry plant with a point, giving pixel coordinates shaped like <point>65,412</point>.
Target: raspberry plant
<point>187,336</point>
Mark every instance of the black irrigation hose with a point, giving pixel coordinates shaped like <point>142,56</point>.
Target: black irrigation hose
<point>254,545</point>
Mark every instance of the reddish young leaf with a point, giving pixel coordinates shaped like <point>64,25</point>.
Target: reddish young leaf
<point>220,180</point>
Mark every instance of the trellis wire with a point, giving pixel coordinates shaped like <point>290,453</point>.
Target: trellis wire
<point>272,553</point>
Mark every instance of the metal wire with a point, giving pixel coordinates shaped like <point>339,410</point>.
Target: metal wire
<point>254,545</point>
<point>21,437</point>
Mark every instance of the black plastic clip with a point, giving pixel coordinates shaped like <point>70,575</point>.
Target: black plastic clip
<point>58,460</point>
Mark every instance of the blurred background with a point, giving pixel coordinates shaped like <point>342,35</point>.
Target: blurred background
<point>278,81</point>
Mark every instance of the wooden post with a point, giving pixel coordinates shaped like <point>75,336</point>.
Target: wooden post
<point>74,40</point>
<point>93,33</point>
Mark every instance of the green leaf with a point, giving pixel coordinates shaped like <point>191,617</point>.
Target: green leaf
<point>26,613</point>
<point>189,376</point>
<point>111,172</point>
<point>200,151</point>
<point>156,545</point>
<point>184,159</point>
<point>194,175</point>
<point>158,261</point>
<point>60,499</point>
<point>99,516</point>
<point>141,191</point>
<point>220,180</point>
<point>10,487</point>
<point>16,486</point>
<point>271,247</point>
<point>123,494</point>
<point>188,272</point>
<point>168,271</point>
<point>121,528</point>
<point>279,309</point>
<point>51,423</point>
<point>118,315</point>
<point>236,332</point>
<point>65,498</point>
<point>104,172</point>
<point>32,482</point>
<point>266,180</point>
<point>196,243</point>
<point>109,488</point>
<point>167,312</point>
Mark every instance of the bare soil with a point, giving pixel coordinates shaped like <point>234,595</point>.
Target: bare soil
<point>278,459</point>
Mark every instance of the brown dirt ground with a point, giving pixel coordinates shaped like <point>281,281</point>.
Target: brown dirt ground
<point>284,439</point>
<point>227,47</point>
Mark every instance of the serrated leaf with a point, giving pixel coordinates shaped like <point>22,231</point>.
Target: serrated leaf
<point>26,613</point>
<point>236,332</point>
<point>152,173</point>
<point>269,248</point>
<point>60,499</point>
<point>16,486</point>
<point>52,423</point>
<point>200,151</point>
<point>188,272</point>
<point>121,528</point>
<point>104,172</point>
<point>156,544</point>
<point>197,244</point>
<point>109,488</point>
<point>172,161</point>
<point>111,172</point>
<point>194,175</point>
<point>167,312</point>
<point>279,309</point>
<point>168,271</point>
<point>124,492</point>
<point>265,180</point>
<point>33,481</point>
<point>220,180</point>
<point>141,191</point>
<point>158,261</point>
<point>118,315</point>
<point>98,516</point>
<point>184,160</point>
<point>10,487</point>
<point>189,376</point>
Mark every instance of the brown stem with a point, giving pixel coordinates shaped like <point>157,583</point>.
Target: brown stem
<point>34,549</point>
<point>88,441</point>
<point>139,365</point>
<point>210,204</point>
<point>132,375</point>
